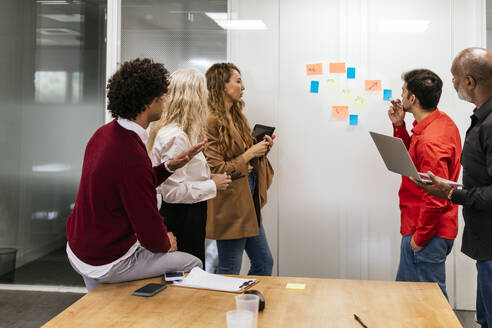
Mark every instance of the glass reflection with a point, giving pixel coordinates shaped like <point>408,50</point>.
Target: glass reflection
<point>50,87</point>
<point>179,34</point>
<point>52,90</point>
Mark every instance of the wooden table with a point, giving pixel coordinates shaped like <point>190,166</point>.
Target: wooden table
<point>323,303</point>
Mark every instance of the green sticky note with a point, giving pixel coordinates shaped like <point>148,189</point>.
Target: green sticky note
<point>332,83</point>
<point>346,94</point>
<point>360,101</point>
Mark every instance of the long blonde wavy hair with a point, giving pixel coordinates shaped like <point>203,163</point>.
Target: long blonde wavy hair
<point>217,76</point>
<point>185,105</point>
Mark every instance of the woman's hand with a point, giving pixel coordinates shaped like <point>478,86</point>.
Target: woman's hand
<point>270,142</point>
<point>222,180</point>
<point>173,242</point>
<point>257,150</point>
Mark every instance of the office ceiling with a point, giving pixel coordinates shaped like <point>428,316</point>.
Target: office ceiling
<point>61,22</point>
<point>171,15</point>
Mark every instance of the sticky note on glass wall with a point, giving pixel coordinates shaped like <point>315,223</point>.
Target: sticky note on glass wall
<point>337,67</point>
<point>387,94</point>
<point>314,69</point>
<point>350,72</point>
<point>373,85</point>
<point>353,119</point>
<point>346,94</point>
<point>341,112</point>
<point>359,101</point>
<point>314,86</point>
<point>332,83</point>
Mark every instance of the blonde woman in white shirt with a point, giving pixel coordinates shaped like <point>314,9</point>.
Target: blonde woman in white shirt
<point>185,193</point>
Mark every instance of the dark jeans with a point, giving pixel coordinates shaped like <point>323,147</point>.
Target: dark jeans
<point>484,293</point>
<point>428,265</point>
<point>257,249</point>
<point>187,222</point>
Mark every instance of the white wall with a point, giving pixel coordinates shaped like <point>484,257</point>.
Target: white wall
<point>333,208</point>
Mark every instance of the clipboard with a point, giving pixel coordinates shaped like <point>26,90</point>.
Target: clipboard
<point>200,279</point>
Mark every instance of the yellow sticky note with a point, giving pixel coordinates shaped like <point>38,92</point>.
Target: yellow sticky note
<point>314,69</point>
<point>332,83</point>
<point>359,101</point>
<point>295,286</point>
<point>340,112</point>
<point>346,94</point>
<point>337,67</point>
<point>373,85</point>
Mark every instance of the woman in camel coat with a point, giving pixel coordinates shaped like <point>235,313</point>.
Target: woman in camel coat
<point>234,216</point>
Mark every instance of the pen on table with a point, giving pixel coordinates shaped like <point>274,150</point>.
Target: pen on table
<point>359,321</point>
<point>246,283</point>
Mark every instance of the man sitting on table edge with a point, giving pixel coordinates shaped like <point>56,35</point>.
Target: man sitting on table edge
<point>115,232</point>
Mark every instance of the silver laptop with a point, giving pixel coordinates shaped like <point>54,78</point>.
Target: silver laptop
<point>397,159</point>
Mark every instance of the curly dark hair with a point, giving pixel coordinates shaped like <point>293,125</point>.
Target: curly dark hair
<point>425,85</point>
<point>135,85</point>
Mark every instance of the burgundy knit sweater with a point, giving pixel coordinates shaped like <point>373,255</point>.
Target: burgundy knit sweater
<point>116,203</point>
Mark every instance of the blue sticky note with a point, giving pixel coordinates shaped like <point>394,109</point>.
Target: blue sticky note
<point>387,94</point>
<point>314,86</point>
<point>354,119</point>
<point>350,72</point>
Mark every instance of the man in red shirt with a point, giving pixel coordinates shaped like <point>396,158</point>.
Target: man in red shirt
<point>428,224</point>
<point>115,232</point>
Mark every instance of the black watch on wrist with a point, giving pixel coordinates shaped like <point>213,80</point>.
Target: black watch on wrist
<point>169,166</point>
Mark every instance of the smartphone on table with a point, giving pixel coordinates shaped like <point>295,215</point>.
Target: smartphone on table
<point>174,276</point>
<point>149,289</point>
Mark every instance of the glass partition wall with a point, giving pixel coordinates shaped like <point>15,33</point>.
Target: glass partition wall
<point>52,99</point>
<point>52,89</point>
<point>180,34</point>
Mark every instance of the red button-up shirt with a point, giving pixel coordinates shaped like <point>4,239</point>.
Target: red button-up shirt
<point>435,145</point>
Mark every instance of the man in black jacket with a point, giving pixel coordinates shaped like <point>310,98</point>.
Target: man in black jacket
<point>472,79</point>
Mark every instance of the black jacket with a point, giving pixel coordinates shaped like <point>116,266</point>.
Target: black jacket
<point>476,196</point>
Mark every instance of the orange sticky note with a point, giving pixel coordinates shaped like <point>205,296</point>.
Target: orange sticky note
<point>337,68</point>
<point>340,111</point>
<point>373,85</point>
<point>314,69</point>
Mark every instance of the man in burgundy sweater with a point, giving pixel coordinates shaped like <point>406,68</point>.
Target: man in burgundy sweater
<point>115,232</point>
<point>428,224</point>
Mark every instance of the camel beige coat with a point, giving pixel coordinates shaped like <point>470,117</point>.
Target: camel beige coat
<point>232,215</point>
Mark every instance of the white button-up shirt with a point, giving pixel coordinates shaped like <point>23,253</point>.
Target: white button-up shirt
<point>189,184</point>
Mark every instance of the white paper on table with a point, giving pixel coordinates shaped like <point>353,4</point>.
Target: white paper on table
<point>197,278</point>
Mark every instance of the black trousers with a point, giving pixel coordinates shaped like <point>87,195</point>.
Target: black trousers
<point>187,222</point>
